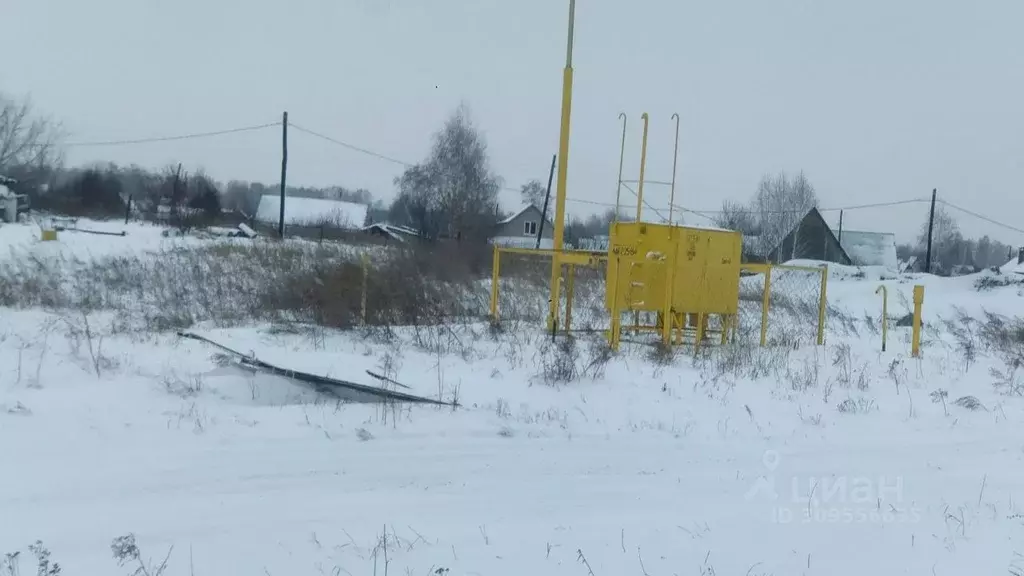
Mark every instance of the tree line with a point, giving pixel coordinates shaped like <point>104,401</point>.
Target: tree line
<point>452,193</point>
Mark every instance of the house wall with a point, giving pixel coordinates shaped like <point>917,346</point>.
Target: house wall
<point>514,228</point>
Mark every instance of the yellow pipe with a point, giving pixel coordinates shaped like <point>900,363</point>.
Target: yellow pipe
<point>885,313</point>
<point>915,342</point>
<point>622,158</point>
<point>495,275</point>
<point>822,302</point>
<point>643,165</point>
<point>563,166</point>
<point>675,160</point>
<point>765,303</point>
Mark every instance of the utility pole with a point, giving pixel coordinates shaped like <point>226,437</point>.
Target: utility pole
<point>284,170</point>
<point>931,224</point>
<point>547,196</point>
<point>563,172</point>
<point>840,227</point>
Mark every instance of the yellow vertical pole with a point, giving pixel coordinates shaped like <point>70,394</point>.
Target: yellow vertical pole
<point>570,290</point>
<point>563,173</point>
<point>643,166</point>
<point>885,313</point>
<point>495,276</point>
<point>622,158</point>
<point>822,302</point>
<point>915,342</point>
<point>765,303</point>
<point>616,313</point>
<point>362,303</point>
<point>675,160</point>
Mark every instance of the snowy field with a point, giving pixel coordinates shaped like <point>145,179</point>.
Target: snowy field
<point>834,460</point>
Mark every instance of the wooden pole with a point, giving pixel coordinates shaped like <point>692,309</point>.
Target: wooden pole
<point>547,196</point>
<point>931,224</point>
<point>284,170</point>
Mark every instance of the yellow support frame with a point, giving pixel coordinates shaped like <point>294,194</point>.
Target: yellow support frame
<point>571,259</point>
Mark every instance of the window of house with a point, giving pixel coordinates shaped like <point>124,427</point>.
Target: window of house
<point>530,228</point>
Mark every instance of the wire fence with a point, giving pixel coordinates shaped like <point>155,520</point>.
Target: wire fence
<point>521,290</point>
<point>782,305</point>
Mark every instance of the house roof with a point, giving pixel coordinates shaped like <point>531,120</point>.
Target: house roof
<point>870,248</point>
<point>812,214</point>
<point>519,212</point>
<point>311,211</point>
<point>392,230</point>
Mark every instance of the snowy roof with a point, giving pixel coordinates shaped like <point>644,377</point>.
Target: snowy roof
<point>311,211</point>
<point>392,230</point>
<point>870,248</point>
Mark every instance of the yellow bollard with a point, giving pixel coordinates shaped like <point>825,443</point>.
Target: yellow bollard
<point>885,313</point>
<point>495,268</point>
<point>915,342</point>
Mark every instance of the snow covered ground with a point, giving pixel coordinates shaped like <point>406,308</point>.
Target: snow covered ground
<point>840,460</point>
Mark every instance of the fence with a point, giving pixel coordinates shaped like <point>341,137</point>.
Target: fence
<point>521,288</point>
<point>782,305</point>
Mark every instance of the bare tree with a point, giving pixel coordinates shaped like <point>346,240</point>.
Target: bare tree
<point>454,191</point>
<point>29,143</point>
<point>533,192</point>
<point>779,206</point>
<point>736,216</point>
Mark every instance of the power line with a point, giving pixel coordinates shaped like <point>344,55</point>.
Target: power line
<point>169,138</point>
<point>351,146</point>
<point>980,216</point>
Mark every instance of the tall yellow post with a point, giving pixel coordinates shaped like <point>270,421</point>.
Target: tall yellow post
<point>915,342</point>
<point>495,275</point>
<point>822,302</point>
<point>643,166</point>
<point>765,303</point>
<point>563,172</point>
<point>885,313</point>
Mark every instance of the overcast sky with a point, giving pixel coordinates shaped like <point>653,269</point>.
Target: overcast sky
<point>875,100</point>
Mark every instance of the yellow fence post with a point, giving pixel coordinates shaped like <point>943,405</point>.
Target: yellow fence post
<point>822,303</point>
<point>570,289</point>
<point>362,304</point>
<point>915,342</point>
<point>616,327</point>
<point>495,275</point>
<point>765,303</point>
<point>885,313</point>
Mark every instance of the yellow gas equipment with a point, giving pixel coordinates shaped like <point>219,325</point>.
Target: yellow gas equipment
<point>675,272</point>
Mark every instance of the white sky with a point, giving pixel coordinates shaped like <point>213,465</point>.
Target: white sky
<point>875,100</point>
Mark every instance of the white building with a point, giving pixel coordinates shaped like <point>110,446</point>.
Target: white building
<point>300,211</point>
